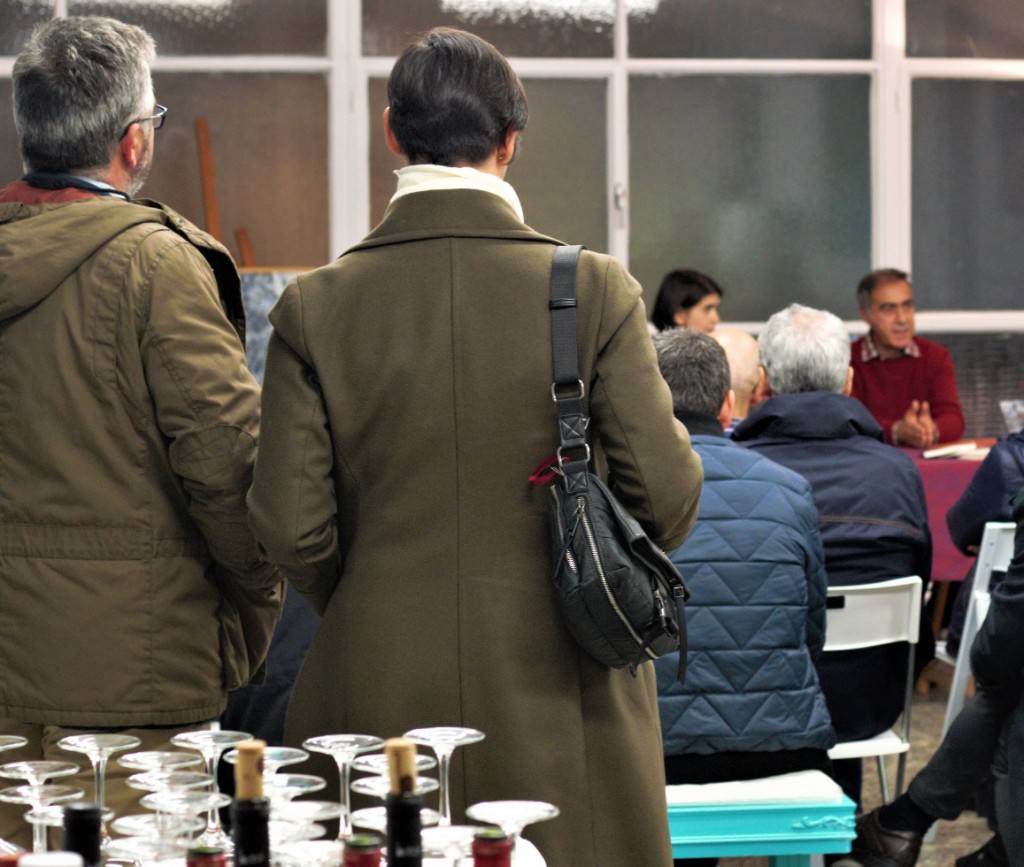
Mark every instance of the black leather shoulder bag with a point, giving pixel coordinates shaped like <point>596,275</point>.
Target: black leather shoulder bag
<point>620,596</point>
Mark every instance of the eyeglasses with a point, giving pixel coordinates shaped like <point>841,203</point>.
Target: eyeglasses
<point>158,117</point>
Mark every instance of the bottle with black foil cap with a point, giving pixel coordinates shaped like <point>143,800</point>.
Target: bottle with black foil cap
<point>405,847</point>
<point>83,825</point>
<point>250,811</point>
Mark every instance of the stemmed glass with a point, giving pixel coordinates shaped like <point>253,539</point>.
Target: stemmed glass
<point>282,788</point>
<point>451,842</point>
<point>10,742</point>
<point>210,744</point>
<point>37,794</point>
<point>98,749</point>
<point>378,787</point>
<point>443,740</point>
<point>511,816</point>
<point>376,818</point>
<point>343,749</point>
<point>274,758</point>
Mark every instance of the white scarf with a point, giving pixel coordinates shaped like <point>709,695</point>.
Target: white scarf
<point>420,178</point>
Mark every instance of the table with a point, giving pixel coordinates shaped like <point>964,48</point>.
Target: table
<point>945,479</point>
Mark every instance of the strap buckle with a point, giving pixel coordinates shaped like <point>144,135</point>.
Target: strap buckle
<point>560,459</point>
<point>556,397</point>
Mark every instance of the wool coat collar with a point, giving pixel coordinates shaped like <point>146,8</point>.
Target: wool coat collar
<point>449,214</point>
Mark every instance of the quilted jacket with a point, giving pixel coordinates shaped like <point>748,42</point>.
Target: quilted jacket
<point>755,567</point>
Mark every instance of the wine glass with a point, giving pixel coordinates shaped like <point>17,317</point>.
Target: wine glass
<point>98,748</point>
<point>10,742</point>
<point>443,740</point>
<point>511,816</point>
<point>451,842</point>
<point>36,793</point>
<point>377,763</point>
<point>309,853</point>
<point>282,788</point>
<point>274,758</point>
<point>169,781</point>
<point>210,744</point>
<point>376,818</point>
<point>159,760</point>
<point>379,787</point>
<point>52,816</point>
<point>343,749</point>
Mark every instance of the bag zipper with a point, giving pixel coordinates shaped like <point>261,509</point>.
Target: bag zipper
<point>592,543</point>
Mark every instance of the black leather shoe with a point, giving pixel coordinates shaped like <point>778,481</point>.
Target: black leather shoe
<point>876,846</point>
<point>992,854</point>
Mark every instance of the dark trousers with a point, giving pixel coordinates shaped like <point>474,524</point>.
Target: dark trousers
<point>962,764</point>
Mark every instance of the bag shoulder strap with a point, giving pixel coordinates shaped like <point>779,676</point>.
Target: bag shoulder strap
<point>567,388</point>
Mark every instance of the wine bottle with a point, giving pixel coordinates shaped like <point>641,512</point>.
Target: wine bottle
<point>250,811</point>
<point>492,847</point>
<point>403,805</point>
<point>82,826</point>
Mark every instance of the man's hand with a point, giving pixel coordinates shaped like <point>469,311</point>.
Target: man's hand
<point>916,428</point>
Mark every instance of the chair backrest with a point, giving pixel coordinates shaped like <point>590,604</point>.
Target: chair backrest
<point>869,615</point>
<point>994,554</point>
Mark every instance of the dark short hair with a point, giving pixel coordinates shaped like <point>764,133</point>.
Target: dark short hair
<point>680,290</point>
<point>453,98</point>
<point>696,370</point>
<point>877,278</point>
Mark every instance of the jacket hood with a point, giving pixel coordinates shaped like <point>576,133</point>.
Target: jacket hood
<point>809,415</point>
<point>41,245</point>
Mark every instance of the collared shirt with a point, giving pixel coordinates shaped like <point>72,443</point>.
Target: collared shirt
<point>422,178</point>
<point>870,352</point>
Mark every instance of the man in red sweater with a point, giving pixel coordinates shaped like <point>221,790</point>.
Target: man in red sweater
<point>906,382</point>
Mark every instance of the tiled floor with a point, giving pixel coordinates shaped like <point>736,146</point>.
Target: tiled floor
<point>953,839</point>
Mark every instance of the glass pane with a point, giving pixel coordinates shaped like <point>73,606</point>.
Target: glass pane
<point>10,155</point>
<point>17,18</point>
<point>965,28</point>
<point>770,28</point>
<point>988,370</point>
<point>258,123</point>
<point>968,186</point>
<point>519,28</point>
<point>222,26</point>
<point>761,181</point>
<point>560,169</point>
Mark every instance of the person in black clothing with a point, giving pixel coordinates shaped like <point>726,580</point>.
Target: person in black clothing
<point>987,735</point>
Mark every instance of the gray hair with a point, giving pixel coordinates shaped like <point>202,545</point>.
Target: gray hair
<point>78,83</point>
<point>696,370</point>
<point>804,349</point>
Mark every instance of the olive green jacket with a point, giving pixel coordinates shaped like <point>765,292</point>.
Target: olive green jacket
<point>131,590</point>
<point>406,401</point>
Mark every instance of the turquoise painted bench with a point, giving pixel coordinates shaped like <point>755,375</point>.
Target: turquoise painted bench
<point>788,818</point>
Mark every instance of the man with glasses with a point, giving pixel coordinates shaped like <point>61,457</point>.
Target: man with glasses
<point>132,594</point>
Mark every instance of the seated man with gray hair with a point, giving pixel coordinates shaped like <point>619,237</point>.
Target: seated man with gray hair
<point>746,376</point>
<point>755,567</point>
<point>869,495</point>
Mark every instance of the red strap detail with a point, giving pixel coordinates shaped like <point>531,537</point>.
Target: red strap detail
<point>545,473</point>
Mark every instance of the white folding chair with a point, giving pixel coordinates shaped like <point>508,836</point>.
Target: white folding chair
<point>994,555</point>
<point>871,615</point>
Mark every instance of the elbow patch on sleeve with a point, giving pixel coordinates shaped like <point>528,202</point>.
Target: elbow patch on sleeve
<point>218,458</point>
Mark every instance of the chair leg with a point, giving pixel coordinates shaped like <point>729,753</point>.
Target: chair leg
<point>883,780</point>
<point>901,773</point>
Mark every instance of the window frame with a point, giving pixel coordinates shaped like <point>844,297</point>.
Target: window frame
<point>891,72</point>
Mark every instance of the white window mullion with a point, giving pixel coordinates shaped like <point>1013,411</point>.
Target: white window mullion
<point>618,140</point>
<point>890,140</point>
<point>347,165</point>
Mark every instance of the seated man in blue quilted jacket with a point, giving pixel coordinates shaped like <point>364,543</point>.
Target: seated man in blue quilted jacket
<point>751,705</point>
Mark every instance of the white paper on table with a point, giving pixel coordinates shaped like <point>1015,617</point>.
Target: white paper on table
<point>796,788</point>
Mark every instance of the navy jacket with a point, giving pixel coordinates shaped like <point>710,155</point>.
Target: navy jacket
<point>756,618</point>
<point>874,525</point>
<point>990,493</point>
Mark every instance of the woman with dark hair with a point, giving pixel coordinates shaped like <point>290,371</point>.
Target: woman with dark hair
<point>407,398</point>
<point>687,299</point>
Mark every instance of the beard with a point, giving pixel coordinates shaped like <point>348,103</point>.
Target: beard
<point>141,172</point>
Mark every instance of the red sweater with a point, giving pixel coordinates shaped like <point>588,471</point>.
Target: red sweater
<point>886,387</point>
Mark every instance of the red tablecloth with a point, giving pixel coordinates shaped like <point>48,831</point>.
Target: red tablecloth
<point>945,479</point>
